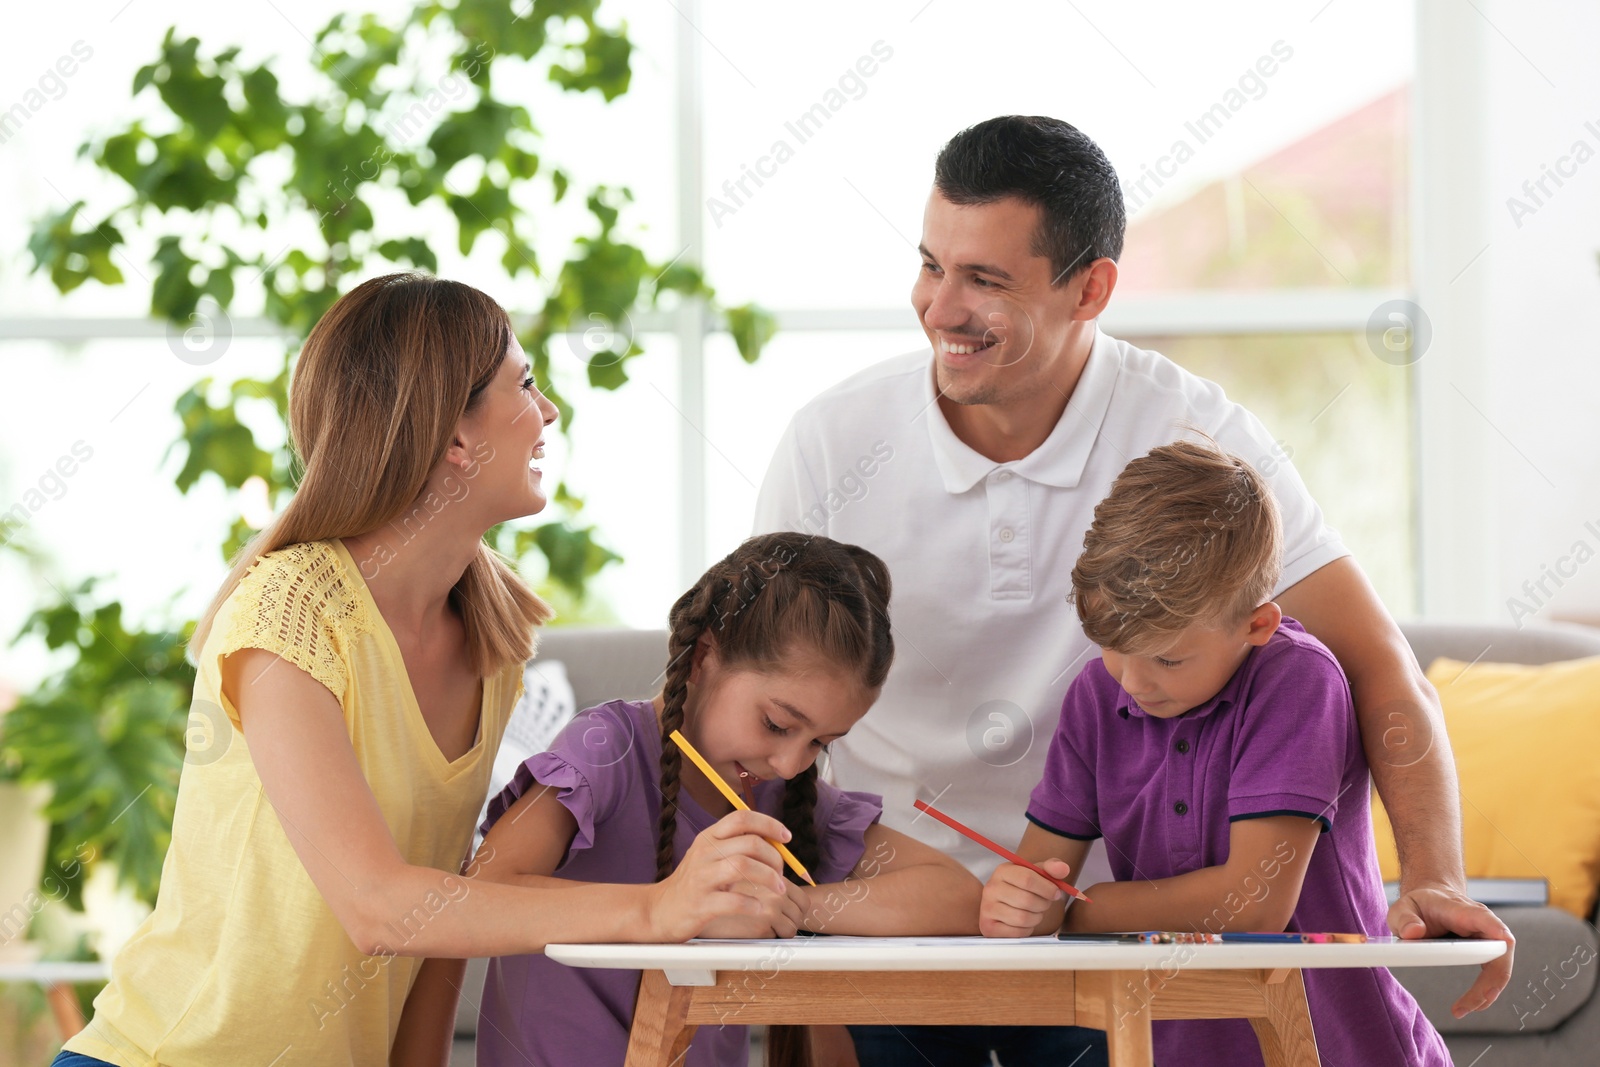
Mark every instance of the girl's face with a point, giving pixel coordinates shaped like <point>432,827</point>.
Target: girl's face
<point>754,725</point>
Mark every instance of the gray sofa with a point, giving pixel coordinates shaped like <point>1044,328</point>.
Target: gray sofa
<point>1545,1018</point>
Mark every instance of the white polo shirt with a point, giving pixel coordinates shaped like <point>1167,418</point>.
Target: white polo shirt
<point>981,556</point>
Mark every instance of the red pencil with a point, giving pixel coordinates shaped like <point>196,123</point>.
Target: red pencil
<point>1006,852</point>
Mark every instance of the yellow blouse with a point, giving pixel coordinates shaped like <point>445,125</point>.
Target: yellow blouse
<point>242,961</point>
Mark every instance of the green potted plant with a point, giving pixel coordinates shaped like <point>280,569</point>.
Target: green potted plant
<point>103,738</point>
<point>367,158</point>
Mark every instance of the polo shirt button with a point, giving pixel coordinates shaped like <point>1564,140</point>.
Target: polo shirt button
<point>1181,808</point>
<point>1006,535</point>
<point>1004,476</point>
<point>1182,746</point>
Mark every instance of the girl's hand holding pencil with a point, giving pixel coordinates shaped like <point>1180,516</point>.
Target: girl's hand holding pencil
<point>793,910</point>
<point>730,872</point>
<point>739,805</point>
<point>790,909</point>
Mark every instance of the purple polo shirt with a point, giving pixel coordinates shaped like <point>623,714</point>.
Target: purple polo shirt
<point>605,767</point>
<point>1280,738</point>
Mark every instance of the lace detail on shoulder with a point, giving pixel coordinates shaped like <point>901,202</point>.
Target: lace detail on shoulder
<point>298,603</point>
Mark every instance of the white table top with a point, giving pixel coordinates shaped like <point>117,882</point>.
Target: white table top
<point>1008,954</point>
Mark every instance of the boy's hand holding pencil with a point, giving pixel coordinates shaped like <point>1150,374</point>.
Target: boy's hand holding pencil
<point>1019,902</point>
<point>1021,897</point>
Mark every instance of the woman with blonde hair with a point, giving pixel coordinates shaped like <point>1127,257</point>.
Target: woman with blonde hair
<point>366,650</point>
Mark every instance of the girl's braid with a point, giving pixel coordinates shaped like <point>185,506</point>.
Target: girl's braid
<point>691,616</point>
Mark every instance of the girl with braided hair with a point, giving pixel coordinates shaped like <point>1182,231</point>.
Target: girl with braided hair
<point>779,649</point>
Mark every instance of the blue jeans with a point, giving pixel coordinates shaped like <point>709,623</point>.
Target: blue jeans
<point>77,1059</point>
<point>969,1046</point>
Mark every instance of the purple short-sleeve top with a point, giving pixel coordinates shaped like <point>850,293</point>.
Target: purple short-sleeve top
<point>605,767</point>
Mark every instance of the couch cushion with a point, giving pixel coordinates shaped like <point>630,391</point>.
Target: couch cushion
<point>1553,975</point>
<point>607,663</point>
<point>1494,643</point>
<point>1524,740</point>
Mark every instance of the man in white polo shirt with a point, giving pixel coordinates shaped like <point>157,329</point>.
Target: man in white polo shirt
<point>973,470</point>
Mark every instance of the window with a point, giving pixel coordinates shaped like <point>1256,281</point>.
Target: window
<point>1254,259</point>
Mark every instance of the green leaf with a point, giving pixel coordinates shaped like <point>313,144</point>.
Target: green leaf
<point>413,250</point>
<point>478,132</point>
<point>682,278</point>
<point>600,62</point>
<point>217,443</point>
<point>573,553</point>
<point>143,78</point>
<point>219,286</point>
<point>173,295</point>
<point>191,93</point>
<point>752,328</point>
<point>72,256</point>
<point>266,119</point>
<point>604,278</point>
<point>120,154</point>
<point>488,205</point>
<point>608,370</point>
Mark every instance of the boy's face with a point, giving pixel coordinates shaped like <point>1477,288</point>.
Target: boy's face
<point>1194,667</point>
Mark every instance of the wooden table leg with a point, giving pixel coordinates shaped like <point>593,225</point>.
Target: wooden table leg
<point>1285,1031</point>
<point>661,1033</point>
<point>63,999</point>
<point>1128,1020</point>
<point>1120,1003</point>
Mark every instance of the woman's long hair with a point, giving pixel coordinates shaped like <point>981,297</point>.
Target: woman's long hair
<point>378,390</point>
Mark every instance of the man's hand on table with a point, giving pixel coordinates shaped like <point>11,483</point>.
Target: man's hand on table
<point>1433,910</point>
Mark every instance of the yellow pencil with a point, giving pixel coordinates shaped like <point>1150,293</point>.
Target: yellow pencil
<point>733,798</point>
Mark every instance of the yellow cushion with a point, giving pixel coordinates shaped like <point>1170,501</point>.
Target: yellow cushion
<point>1527,748</point>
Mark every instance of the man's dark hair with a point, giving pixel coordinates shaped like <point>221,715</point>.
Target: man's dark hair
<point>1047,162</point>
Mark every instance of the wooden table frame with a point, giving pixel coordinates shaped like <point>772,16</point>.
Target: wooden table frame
<point>1122,1003</point>
<point>1120,989</point>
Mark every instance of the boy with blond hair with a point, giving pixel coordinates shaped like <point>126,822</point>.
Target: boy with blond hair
<point>1215,747</point>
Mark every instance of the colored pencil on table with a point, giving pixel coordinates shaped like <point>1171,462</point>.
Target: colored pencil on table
<point>1068,887</point>
<point>1186,937</point>
<point>733,798</point>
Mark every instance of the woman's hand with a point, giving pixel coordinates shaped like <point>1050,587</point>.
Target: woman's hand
<point>730,874</point>
<point>1017,900</point>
